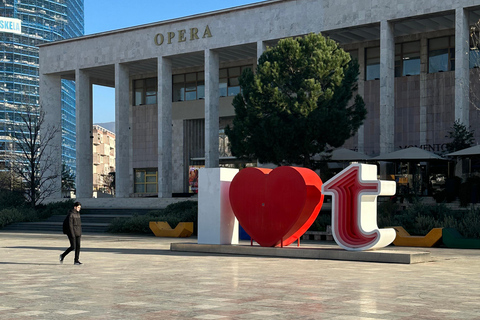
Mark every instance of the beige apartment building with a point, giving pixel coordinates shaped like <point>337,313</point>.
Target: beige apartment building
<point>103,159</point>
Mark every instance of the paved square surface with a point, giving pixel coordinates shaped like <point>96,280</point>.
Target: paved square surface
<point>135,277</point>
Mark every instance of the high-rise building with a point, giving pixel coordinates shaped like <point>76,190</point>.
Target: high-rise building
<point>24,24</point>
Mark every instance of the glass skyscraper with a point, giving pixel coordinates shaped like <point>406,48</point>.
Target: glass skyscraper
<point>24,24</point>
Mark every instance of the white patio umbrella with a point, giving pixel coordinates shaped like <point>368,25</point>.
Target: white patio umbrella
<point>342,154</point>
<point>471,151</point>
<point>412,153</point>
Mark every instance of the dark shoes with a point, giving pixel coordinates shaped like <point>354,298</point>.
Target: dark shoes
<point>61,260</point>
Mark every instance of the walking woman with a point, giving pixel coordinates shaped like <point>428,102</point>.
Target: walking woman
<point>72,227</point>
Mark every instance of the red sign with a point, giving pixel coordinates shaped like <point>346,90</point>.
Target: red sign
<point>276,206</point>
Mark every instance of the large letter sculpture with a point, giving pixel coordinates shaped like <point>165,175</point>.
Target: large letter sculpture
<point>354,194</point>
<point>277,206</point>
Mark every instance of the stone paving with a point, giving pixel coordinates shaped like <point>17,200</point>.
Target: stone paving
<point>138,277</point>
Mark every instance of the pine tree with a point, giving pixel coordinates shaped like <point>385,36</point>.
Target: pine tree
<point>462,137</point>
<point>297,104</point>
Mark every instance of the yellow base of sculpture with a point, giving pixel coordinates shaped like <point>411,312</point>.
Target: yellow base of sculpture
<point>404,239</point>
<point>163,229</point>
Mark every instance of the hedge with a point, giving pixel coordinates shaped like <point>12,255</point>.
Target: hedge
<point>185,211</point>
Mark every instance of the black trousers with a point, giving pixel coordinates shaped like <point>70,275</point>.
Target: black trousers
<point>74,245</point>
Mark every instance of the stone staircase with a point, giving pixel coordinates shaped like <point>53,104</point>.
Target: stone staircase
<point>93,221</point>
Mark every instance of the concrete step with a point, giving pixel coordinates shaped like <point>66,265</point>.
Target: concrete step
<point>54,228</point>
<point>127,212</point>
<point>93,221</point>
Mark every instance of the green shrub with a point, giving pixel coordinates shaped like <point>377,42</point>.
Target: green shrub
<point>135,224</point>
<point>320,224</point>
<point>12,215</point>
<point>386,214</point>
<point>20,212</point>
<point>11,199</point>
<point>185,211</point>
<point>469,224</point>
<point>54,208</point>
<point>419,219</point>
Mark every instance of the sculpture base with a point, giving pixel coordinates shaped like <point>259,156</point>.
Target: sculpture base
<point>321,253</point>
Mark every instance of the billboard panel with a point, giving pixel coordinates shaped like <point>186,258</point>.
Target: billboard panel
<point>10,25</point>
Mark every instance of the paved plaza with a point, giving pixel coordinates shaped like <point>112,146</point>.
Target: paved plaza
<point>138,277</point>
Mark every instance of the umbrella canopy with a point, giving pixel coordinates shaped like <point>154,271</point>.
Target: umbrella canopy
<point>412,153</point>
<point>342,154</point>
<point>475,150</point>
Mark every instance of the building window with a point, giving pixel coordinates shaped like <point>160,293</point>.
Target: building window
<point>188,86</point>
<point>372,63</point>
<point>145,91</point>
<point>229,84</point>
<point>191,86</point>
<point>441,54</point>
<point>407,59</point>
<point>146,180</point>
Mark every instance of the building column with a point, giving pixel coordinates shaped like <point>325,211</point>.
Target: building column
<point>361,92</point>
<point>51,104</point>
<point>83,105</point>
<point>462,72</point>
<point>123,181</point>
<point>212,65</point>
<point>261,47</point>
<point>423,90</point>
<point>387,87</point>
<point>164,101</point>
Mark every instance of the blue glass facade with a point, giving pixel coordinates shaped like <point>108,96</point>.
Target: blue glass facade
<point>42,21</point>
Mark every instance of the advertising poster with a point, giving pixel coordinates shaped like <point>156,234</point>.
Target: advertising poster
<point>193,178</point>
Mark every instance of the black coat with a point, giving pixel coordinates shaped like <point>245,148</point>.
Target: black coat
<point>72,225</point>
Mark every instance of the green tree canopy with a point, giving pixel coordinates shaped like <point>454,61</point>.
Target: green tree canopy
<point>297,104</point>
<point>461,137</point>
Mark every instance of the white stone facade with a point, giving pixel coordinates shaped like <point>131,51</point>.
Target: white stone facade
<point>403,110</point>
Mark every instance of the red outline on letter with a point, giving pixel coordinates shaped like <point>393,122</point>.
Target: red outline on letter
<point>354,194</point>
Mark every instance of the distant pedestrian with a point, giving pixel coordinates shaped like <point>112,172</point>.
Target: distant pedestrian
<point>72,227</point>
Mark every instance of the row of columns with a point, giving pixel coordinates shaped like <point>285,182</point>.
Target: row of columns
<point>50,90</point>
<point>50,99</point>
<point>387,80</point>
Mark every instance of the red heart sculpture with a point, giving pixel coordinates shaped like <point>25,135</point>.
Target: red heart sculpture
<point>276,205</point>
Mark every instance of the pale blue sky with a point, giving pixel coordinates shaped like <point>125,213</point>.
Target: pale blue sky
<point>106,15</point>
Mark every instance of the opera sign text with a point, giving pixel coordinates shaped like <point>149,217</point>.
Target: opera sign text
<point>182,35</point>
<point>275,207</point>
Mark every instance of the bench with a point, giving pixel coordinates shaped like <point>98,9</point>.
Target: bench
<point>453,239</point>
<point>404,239</point>
<point>163,229</point>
